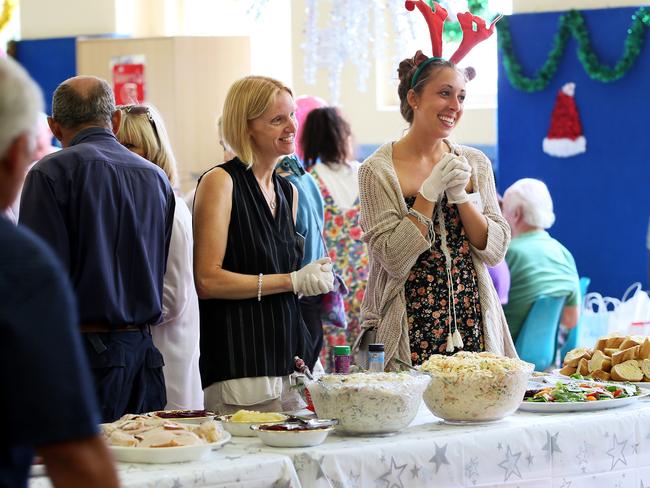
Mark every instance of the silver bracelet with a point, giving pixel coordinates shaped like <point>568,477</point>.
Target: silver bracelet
<point>420,217</point>
<point>424,220</point>
<point>259,287</point>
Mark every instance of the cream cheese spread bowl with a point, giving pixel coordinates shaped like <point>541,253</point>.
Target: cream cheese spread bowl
<point>369,403</point>
<point>474,387</point>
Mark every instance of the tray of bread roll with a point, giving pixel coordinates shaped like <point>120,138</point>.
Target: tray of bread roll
<point>151,439</point>
<point>613,359</point>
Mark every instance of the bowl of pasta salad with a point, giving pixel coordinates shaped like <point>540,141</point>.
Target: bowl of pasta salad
<point>474,387</point>
<point>369,403</point>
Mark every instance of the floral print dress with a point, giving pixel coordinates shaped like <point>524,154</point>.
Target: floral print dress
<point>428,291</point>
<point>349,254</point>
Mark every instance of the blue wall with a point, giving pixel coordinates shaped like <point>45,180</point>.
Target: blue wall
<point>49,62</point>
<point>601,197</point>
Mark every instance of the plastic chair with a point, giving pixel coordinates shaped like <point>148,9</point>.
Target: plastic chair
<point>572,338</point>
<point>537,340</point>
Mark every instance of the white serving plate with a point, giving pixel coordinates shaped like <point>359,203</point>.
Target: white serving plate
<point>243,429</point>
<point>640,384</point>
<point>292,438</point>
<point>556,407</point>
<point>164,455</point>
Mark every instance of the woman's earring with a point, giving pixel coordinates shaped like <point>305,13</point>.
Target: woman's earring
<point>415,107</point>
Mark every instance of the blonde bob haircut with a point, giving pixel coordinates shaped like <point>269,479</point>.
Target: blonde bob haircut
<point>142,126</point>
<point>247,99</point>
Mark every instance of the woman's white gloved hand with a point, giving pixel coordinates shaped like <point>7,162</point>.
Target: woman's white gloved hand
<point>456,177</point>
<point>434,185</point>
<point>313,279</point>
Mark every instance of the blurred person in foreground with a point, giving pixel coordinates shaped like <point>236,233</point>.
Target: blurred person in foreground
<point>247,258</point>
<point>47,395</point>
<point>108,215</point>
<point>539,264</point>
<point>143,132</point>
<point>43,148</point>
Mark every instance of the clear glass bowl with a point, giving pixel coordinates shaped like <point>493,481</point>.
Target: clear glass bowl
<point>476,396</point>
<point>369,403</point>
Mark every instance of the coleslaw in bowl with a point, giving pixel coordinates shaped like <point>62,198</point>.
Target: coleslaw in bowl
<point>474,387</point>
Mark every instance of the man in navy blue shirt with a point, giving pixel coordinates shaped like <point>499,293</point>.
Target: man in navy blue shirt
<point>48,403</point>
<point>108,215</point>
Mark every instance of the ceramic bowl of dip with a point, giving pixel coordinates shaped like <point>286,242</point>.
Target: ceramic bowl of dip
<point>291,434</point>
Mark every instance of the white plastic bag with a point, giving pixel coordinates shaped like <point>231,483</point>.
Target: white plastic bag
<point>597,312</point>
<point>632,315</point>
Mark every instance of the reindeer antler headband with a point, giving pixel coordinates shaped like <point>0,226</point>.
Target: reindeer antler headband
<point>435,17</point>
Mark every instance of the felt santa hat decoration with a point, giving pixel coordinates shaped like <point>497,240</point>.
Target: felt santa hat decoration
<point>565,138</point>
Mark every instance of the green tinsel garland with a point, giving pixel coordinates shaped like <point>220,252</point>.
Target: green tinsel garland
<point>451,29</point>
<point>573,22</point>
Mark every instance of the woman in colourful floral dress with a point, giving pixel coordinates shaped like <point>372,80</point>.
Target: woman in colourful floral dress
<point>327,143</point>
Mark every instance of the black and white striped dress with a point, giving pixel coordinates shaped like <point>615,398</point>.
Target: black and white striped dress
<point>246,338</point>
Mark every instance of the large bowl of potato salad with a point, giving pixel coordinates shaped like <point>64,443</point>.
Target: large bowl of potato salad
<point>474,387</point>
<point>369,403</point>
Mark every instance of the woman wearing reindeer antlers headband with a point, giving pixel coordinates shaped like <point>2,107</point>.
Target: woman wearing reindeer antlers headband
<point>431,219</point>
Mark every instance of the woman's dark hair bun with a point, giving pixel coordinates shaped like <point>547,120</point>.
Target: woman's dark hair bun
<point>405,68</point>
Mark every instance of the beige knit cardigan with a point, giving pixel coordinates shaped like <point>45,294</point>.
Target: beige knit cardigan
<point>395,242</point>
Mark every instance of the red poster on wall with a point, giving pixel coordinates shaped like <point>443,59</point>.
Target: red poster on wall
<point>128,80</point>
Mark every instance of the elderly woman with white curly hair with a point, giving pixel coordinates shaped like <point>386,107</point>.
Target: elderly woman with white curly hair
<point>539,265</point>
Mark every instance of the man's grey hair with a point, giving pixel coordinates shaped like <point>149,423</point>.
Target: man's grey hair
<point>534,199</point>
<point>72,109</point>
<point>21,101</point>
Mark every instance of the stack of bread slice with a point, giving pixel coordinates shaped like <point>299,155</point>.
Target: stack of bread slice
<point>617,358</point>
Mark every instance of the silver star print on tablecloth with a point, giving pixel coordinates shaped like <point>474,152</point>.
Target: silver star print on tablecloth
<point>304,462</point>
<point>617,453</point>
<point>471,470</point>
<point>282,484</point>
<point>509,464</point>
<point>530,458</point>
<point>199,478</point>
<point>354,479</point>
<point>393,477</point>
<point>583,455</point>
<point>440,457</point>
<point>415,471</point>
<point>566,484</point>
<point>551,446</point>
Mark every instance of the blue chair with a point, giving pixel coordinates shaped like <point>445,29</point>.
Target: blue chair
<point>537,339</point>
<point>572,338</point>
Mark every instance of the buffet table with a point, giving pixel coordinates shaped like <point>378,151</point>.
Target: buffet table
<point>223,468</point>
<point>607,448</point>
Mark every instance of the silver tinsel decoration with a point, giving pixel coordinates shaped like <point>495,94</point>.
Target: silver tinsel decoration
<point>354,31</point>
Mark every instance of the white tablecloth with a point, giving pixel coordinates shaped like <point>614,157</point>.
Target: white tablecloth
<point>218,469</point>
<point>607,448</point>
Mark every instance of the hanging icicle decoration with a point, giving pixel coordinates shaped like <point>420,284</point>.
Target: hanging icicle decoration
<point>310,46</point>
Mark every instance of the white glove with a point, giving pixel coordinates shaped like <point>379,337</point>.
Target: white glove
<point>456,177</point>
<point>433,186</point>
<point>315,278</point>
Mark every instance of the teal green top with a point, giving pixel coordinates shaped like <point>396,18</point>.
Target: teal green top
<point>539,265</point>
